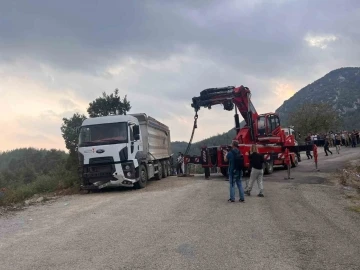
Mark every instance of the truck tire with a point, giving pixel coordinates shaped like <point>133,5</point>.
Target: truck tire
<point>170,172</point>
<point>165,169</point>
<point>294,161</point>
<point>160,172</point>
<point>224,171</point>
<point>143,177</point>
<point>269,167</point>
<point>207,172</point>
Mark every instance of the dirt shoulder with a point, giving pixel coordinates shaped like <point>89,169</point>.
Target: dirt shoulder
<point>349,181</point>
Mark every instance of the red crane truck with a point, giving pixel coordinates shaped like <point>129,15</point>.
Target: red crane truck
<point>261,129</point>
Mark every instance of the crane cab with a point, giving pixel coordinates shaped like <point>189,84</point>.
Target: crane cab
<point>269,130</point>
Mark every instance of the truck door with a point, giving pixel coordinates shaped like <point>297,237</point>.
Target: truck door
<point>135,143</point>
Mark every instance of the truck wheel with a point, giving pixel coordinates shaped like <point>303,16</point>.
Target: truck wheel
<point>165,169</point>
<point>294,161</point>
<point>224,171</point>
<point>159,174</point>
<point>170,173</point>
<point>269,167</point>
<point>207,172</point>
<point>143,177</point>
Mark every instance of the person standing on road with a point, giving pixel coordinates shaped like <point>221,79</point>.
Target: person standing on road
<point>233,157</point>
<point>353,139</point>
<point>326,146</point>
<point>343,138</point>
<point>256,163</point>
<point>180,161</point>
<point>308,142</point>
<point>337,143</point>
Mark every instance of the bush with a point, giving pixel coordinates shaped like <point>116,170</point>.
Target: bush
<point>350,176</point>
<point>59,178</point>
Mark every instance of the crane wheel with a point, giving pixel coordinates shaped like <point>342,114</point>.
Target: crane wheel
<point>269,167</point>
<point>164,169</point>
<point>224,172</point>
<point>294,161</point>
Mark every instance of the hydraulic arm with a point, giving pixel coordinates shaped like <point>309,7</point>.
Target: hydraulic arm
<point>228,97</point>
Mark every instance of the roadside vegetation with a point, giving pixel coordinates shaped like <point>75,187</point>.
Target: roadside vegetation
<point>349,179</point>
<point>28,171</point>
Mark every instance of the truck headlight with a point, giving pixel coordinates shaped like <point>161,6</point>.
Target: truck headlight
<point>128,169</point>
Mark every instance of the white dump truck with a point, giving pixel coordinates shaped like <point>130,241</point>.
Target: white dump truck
<point>123,150</point>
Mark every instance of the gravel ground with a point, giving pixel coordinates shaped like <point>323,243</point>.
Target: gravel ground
<point>187,223</point>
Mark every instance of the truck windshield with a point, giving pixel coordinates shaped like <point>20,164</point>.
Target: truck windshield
<point>101,134</point>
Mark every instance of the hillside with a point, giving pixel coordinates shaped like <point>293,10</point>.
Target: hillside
<point>340,87</point>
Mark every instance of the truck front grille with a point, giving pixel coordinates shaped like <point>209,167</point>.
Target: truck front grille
<point>102,167</point>
<point>101,160</point>
<point>98,171</point>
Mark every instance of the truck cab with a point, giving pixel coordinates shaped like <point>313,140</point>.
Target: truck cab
<point>114,151</point>
<point>290,131</point>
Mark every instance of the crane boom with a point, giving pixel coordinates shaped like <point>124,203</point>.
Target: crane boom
<point>228,96</point>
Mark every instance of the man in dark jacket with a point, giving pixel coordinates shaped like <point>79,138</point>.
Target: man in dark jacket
<point>308,141</point>
<point>326,146</point>
<point>234,173</point>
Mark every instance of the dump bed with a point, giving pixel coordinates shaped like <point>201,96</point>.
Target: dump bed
<point>155,136</point>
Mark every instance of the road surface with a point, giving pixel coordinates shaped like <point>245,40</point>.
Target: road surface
<point>187,223</point>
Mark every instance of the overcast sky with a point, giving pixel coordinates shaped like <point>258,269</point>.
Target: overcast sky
<point>57,56</point>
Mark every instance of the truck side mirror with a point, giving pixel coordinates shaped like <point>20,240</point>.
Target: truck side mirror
<point>136,132</point>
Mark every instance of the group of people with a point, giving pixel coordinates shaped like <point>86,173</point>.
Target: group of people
<point>346,138</point>
<point>333,139</point>
<point>235,172</point>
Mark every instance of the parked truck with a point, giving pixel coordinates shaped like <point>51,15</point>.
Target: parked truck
<point>123,150</point>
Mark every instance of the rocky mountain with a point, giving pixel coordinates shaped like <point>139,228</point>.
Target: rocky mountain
<point>340,88</point>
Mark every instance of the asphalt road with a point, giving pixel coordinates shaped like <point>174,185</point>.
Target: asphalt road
<point>187,223</point>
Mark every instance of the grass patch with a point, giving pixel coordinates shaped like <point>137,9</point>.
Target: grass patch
<point>59,179</point>
<point>350,176</point>
<point>355,209</point>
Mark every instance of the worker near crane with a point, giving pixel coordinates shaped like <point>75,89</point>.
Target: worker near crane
<point>308,141</point>
<point>234,156</point>
<point>326,145</point>
<point>180,163</point>
<point>257,163</point>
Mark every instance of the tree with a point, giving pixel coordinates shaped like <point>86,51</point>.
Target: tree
<point>109,104</point>
<point>315,118</point>
<point>69,131</point>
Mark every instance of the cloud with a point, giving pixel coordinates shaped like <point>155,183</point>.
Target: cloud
<point>59,56</point>
<point>320,41</point>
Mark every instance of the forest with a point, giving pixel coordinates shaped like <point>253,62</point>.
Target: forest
<point>28,171</point>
